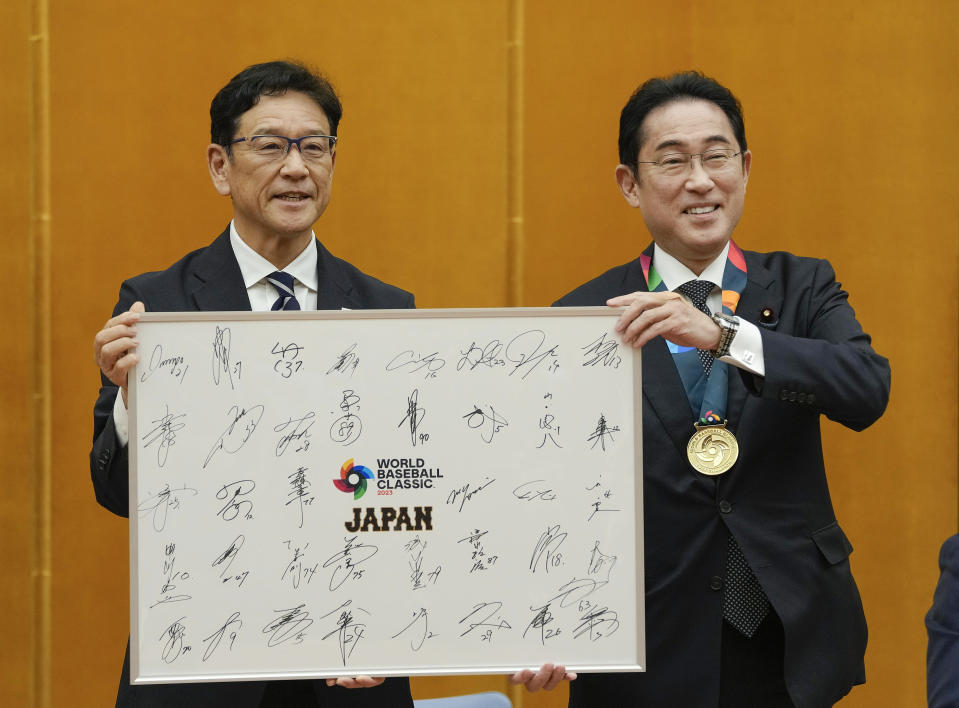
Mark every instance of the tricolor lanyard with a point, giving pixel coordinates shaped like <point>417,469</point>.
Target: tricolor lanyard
<point>706,394</point>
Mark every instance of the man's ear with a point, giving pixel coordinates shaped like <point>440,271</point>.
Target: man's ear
<point>747,164</point>
<point>219,164</point>
<point>628,184</point>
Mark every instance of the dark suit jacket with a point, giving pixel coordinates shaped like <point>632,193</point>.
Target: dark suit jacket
<point>775,500</point>
<point>210,279</point>
<point>942,621</point>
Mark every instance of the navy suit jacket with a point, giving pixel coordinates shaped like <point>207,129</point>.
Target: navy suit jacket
<point>942,621</point>
<point>210,279</point>
<point>775,499</point>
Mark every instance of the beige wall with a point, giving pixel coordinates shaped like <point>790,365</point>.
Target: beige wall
<point>476,169</point>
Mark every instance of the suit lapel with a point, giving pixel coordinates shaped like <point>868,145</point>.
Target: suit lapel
<point>334,290</point>
<point>216,282</point>
<point>761,292</point>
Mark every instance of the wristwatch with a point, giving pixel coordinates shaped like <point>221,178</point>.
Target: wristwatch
<point>728,326</point>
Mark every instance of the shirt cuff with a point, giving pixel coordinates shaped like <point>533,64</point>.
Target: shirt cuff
<point>121,421</point>
<point>746,349</point>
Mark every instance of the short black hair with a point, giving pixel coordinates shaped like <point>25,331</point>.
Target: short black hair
<point>660,91</point>
<point>272,78</point>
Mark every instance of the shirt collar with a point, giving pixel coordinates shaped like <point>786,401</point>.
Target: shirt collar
<point>255,267</point>
<point>675,273</point>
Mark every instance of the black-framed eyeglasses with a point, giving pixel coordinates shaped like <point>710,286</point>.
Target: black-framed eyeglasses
<point>313,148</point>
<point>678,163</point>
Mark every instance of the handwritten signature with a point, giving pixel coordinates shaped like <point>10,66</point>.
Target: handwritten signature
<point>165,430</point>
<point>242,424</point>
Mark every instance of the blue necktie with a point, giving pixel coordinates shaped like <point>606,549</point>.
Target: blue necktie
<point>283,282</point>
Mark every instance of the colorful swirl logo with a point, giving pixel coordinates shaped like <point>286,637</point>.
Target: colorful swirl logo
<point>353,479</point>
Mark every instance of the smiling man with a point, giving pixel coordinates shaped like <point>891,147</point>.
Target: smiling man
<point>749,596</point>
<point>273,151</point>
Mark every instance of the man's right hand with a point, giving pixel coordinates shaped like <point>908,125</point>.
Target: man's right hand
<point>547,678</point>
<point>114,347</point>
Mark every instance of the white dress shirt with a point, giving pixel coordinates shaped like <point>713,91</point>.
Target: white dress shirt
<point>254,268</point>
<point>746,349</point>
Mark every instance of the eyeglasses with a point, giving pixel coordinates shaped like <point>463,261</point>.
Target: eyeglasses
<point>674,164</point>
<point>274,148</point>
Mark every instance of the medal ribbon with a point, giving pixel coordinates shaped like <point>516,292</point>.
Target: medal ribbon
<point>707,395</point>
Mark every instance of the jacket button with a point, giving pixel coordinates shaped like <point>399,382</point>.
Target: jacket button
<point>792,395</point>
<point>810,398</point>
<point>725,506</point>
<point>715,583</point>
<point>783,394</point>
<point>802,397</point>
<point>105,456</point>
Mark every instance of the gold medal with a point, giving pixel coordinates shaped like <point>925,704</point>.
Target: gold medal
<point>712,449</point>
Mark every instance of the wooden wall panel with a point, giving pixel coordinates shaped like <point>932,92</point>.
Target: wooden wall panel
<point>849,109</point>
<point>18,527</point>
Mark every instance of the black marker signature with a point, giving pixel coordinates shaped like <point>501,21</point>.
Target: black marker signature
<point>575,591</point>
<point>174,641</point>
<point>481,560</point>
<point>347,361</point>
<point>347,428</point>
<point>161,503</point>
<point>299,486</point>
<point>599,561</point>
<point>347,630</point>
<point>488,356</point>
<point>215,638</point>
<point>601,433</point>
<point>348,560</point>
<point>175,365</point>
<point>235,506</point>
<point>481,615</point>
<point>531,491</point>
<point>242,424</point>
<point>421,616</point>
<point>598,504</point>
<point>414,417</point>
<point>416,548</point>
<point>596,623</point>
<point>172,576</point>
<point>546,550</point>
<point>464,494</point>
<point>542,618</point>
<point>165,430</point>
<point>221,356</point>
<point>414,362</point>
<point>524,352</point>
<point>299,433</point>
<point>291,624</point>
<point>489,423</point>
<point>296,568</point>
<point>602,352</point>
<point>289,362</point>
<point>228,556</point>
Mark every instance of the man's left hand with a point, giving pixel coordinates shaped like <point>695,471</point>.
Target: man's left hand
<point>668,315</point>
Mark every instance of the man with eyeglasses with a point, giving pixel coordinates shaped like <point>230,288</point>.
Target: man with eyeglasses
<point>273,152</point>
<point>749,597</point>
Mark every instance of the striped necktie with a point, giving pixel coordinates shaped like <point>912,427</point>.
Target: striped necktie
<point>283,282</point>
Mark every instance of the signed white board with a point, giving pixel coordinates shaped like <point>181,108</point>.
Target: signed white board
<point>385,492</point>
